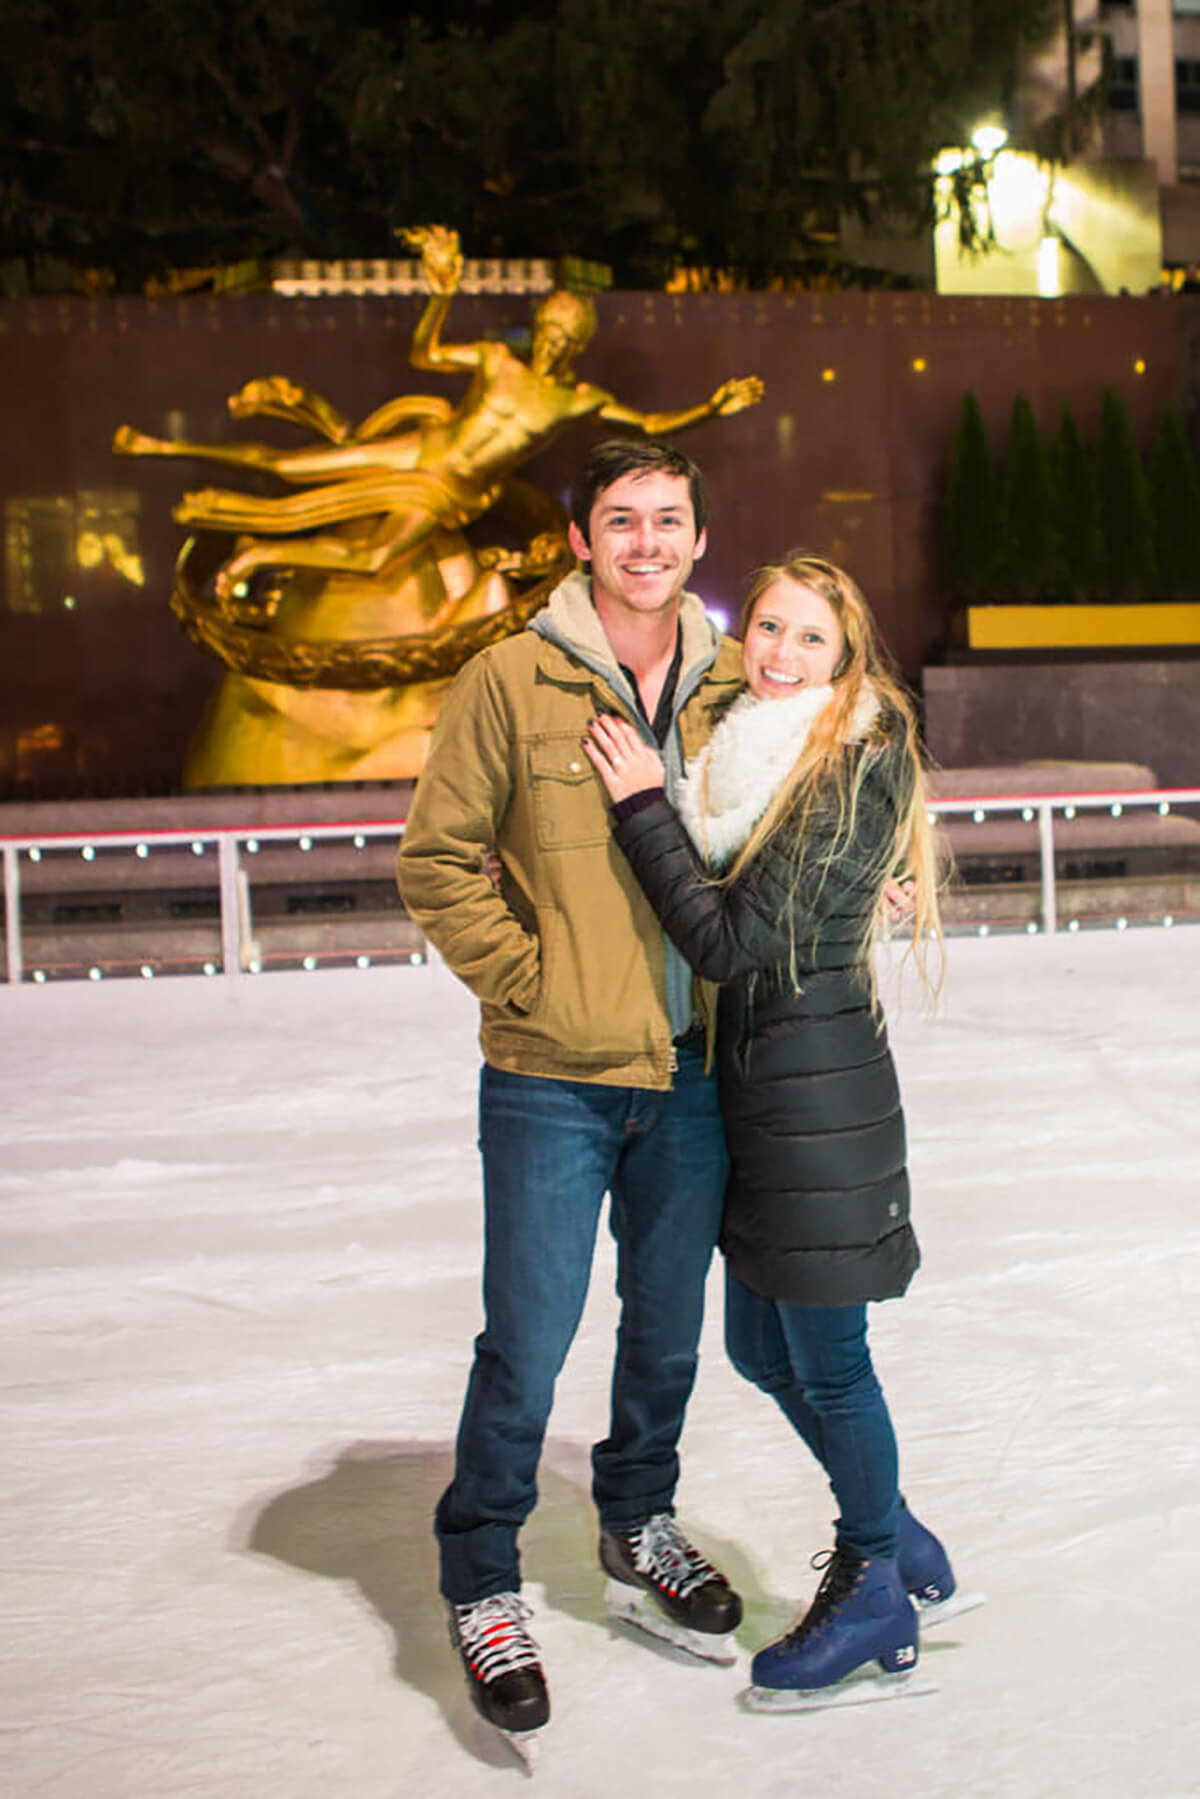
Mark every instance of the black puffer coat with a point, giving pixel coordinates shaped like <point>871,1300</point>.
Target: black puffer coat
<point>817,1208</point>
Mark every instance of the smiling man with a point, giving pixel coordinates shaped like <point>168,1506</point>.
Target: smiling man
<point>593,1079</point>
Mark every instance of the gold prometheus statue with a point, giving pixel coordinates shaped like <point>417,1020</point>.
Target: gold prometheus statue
<point>342,611</point>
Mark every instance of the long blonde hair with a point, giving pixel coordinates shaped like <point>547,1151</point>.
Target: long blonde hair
<point>833,765</point>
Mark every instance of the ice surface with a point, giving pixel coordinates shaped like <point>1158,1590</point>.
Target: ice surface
<point>240,1265</point>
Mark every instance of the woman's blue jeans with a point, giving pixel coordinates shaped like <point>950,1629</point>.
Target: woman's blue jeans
<point>815,1363</point>
<point>551,1150</point>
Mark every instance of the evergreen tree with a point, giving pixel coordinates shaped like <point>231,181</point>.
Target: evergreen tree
<point>973,517</point>
<point>1175,501</point>
<point>1126,517</point>
<point>1029,546</point>
<point>1082,551</point>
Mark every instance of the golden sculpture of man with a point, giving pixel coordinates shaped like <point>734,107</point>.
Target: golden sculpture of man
<point>381,519</point>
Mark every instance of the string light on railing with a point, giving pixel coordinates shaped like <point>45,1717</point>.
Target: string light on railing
<point>1168,919</point>
<point>1073,925</point>
<point>416,960</point>
<point>95,974</point>
<point>39,975</point>
<point>305,843</point>
<point>1068,811</point>
<point>985,930</point>
<point>146,972</point>
<point>1164,806</point>
<point>197,849</point>
<point>252,846</point>
<point>1122,924</point>
<point>362,961</point>
<point>210,968</point>
<point>1028,814</point>
<point>931,818</point>
<point>310,962</point>
<point>88,853</point>
<point>254,967</point>
<point>1031,929</point>
<point>360,842</point>
<point>142,850</point>
<point>979,815</point>
<point>1116,809</point>
<point>35,854</point>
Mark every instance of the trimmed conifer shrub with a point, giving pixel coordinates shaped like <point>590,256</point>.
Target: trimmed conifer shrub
<point>1175,504</point>
<point>1082,568</point>
<point>973,510</point>
<point>1126,519</point>
<point>1028,563</point>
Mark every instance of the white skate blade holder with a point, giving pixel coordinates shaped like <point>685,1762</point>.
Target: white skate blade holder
<point>633,1606</point>
<point>933,1612</point>
<point>856,1689</point>
<point>523,1743</point>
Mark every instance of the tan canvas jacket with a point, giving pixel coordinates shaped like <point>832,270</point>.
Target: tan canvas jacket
<point>574,976</point>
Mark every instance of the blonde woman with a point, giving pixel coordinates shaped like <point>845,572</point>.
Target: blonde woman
<point>805,803</point>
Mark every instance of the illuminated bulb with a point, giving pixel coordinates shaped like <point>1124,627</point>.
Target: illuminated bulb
<point>416,959</point>
<point>147,972</point>
<point>1116,810</point>
<point>1027,814</point>
<point>985,930</point>
<point>310,962</point>
<point>142,851</point>
<point>362,961</point>
<point>1139,366</point>
<point>70,602</point>
<point>95,974</point>
<point>252,846</point>
<point>39,975</point>
<point>1164,806</point>
<point>919,365</point>
<point>1168,919</point>
<point>306,843</point>
<point>254,968</point>
<point>829,374</point>
<point>35,854</point>
<point>197,849</point>
<point>1122,924</point>
<point>1074,925</point>
<point>1068,811</point>
<point>210,968</point>
<point>360,842</point>
<point>1031,928</point>
<point>931,818</point>
<point>987,139</point>
<point>88,853</point>
<point>979,815</point>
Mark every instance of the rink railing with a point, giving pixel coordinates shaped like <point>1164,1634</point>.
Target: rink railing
<point>235,901</point>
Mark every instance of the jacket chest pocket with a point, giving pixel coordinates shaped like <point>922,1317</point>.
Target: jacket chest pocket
<point>570,810</point>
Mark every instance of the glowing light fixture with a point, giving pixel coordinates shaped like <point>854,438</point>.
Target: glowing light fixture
<point>987,139</point>
<point>142,851</point>
<point>829,374</point>
<point>35,854</point>
<point>1049,279</point>
<point>919,365</point>
<point>1139,365</point>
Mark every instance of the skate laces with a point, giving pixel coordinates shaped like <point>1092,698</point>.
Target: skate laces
<point>493,1638</point>
<point>661,1551</point>
<point>842,1573</point>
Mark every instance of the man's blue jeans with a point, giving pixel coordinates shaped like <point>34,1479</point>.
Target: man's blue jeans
<point>815,1363</point>
<point>551,1150</point>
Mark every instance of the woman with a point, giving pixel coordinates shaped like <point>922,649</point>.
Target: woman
<point>792,821</point>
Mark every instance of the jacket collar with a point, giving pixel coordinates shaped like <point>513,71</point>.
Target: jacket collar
<point>570,623</point>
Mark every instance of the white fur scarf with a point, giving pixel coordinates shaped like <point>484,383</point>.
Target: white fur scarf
<point>730,783</point>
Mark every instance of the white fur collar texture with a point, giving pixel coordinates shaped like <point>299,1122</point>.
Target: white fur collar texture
<point>730,783</point>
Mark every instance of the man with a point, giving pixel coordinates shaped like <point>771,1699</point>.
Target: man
<point>593,1077</point>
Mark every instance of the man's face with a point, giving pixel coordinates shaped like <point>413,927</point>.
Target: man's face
<point>643,542</point>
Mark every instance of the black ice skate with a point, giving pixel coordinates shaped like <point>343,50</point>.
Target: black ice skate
<point>504,1675</point>
<point>660,1583</point>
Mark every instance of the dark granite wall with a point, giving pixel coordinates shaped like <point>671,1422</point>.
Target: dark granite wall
<point>852,466</point>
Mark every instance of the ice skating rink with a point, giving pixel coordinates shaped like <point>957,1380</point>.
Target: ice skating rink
<point>240,1254</point>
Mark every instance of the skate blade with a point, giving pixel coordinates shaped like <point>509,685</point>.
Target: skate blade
<point>866,1689</point>
<point>632,1606</point>
<point>933,1612</point>
<point>524,1745</point>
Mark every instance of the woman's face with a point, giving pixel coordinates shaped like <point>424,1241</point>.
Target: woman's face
<point>793,640</point>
